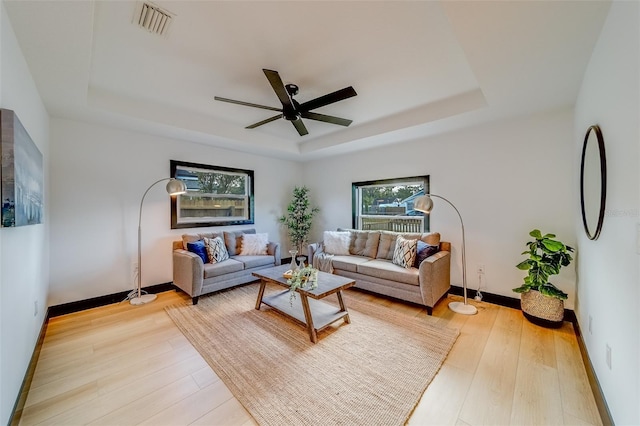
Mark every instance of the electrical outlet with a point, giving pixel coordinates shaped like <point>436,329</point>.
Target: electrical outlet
<point>590,324</point>
<point>35,308</point>
<point>608,358</point>
<point>480,268</point>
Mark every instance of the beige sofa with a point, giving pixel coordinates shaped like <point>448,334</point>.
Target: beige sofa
<point>370,264</point>
<point>196,278</point>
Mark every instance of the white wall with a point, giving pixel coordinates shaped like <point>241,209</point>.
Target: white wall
<point>608,267</point>
<point>99,175</point>
<point>24,256</point>
<point>505,178</point>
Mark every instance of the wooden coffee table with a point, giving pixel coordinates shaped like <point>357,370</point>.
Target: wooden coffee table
<point>307,308</point>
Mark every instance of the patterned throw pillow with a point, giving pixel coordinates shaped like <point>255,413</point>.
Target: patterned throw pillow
<point>405,253</point>
<point>216,249</point>
<point>254,244</point>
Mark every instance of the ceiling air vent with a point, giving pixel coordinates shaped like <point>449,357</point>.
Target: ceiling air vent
<point>152,18</point>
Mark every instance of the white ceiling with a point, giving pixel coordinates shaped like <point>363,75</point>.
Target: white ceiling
<point>419,68</point>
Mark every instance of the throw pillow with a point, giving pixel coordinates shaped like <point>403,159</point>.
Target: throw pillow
<point>254,244</point>
<point>337,242</point>
<point>216,249</point>
<point>233,240</point>
<point>199,248</point>
<point>405,253</point>
<point>424,250</point>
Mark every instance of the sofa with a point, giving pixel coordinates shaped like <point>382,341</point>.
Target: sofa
<point>195,277</point>
<point>369,260</point>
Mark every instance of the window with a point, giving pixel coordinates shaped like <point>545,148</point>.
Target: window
<point>216,196</point>
<point>388,204</point>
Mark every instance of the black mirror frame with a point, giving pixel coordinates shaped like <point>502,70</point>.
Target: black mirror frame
<point>603,182</point>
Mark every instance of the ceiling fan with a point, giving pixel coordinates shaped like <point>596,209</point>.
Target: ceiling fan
<point>292,110</point>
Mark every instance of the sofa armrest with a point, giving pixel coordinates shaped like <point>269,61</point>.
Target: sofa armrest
<point>273,249</point>
<point>312,249</point>
<point>435,277</point>
<point>188,272</point>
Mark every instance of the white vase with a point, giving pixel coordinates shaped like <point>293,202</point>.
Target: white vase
<point>294,265</point>
<point>301,261</point>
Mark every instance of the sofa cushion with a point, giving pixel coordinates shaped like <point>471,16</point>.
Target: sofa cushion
<point>254,244</point>
<point>254,261</point>
<point>233,240</point>
<point>387,245</point>
<point>336,242</point>
<point>198,247</point>
<point>405,252</point>
<point>216,250</point>
<point>388,271</point>
<point>424,250</point>
<point>348,263</point>
<point>431,238</point>
<point>364,243</point>
<point>221,268</point>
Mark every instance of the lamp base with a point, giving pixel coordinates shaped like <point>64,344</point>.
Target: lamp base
<point>145,298</point>
<point>461,308</point>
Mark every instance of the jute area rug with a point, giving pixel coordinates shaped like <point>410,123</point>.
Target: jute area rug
<point>370,372</point>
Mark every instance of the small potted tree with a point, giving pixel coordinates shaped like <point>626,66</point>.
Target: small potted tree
<point>542,303</point>
<point>299,218</point>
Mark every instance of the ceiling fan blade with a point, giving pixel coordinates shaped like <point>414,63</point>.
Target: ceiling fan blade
<point>278,87</point>
<point>233,101</point>
<point>336,96</point>
<point>300,127</point>
<point>268,120</point>
<point>326,118</point>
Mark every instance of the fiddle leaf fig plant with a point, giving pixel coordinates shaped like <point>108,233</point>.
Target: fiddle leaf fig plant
<point>546,257</point>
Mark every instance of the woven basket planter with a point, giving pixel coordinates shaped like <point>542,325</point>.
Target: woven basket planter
<point>542,310</point>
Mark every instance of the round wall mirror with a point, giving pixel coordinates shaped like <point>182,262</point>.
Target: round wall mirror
<point>593,182</point>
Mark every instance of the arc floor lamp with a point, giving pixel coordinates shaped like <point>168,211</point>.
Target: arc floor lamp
<point>424,203</point>
<point>174,187</point>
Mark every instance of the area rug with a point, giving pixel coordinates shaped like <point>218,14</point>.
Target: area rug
<point>370,372</point>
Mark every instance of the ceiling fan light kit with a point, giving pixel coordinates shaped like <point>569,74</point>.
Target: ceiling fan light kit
<point>292,110</point>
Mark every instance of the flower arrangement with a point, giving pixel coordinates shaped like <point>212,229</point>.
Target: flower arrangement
<point>305,278</point>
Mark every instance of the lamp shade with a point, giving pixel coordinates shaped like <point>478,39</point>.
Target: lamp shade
<point>176,187</point>
<point>423,203</point>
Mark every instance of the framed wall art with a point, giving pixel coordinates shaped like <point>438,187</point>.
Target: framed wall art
<point>22,185</point>
<point>216,196</point>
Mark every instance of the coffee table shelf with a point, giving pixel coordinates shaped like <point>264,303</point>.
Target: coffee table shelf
<point>323,313</point>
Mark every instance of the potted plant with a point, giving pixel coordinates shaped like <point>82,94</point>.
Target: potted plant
<point>299,218</point>
<point>542,303</point>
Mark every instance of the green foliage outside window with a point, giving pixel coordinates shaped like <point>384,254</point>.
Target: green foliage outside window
<point>221,183</point>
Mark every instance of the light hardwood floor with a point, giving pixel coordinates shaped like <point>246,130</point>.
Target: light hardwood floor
<point>121,365</point>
